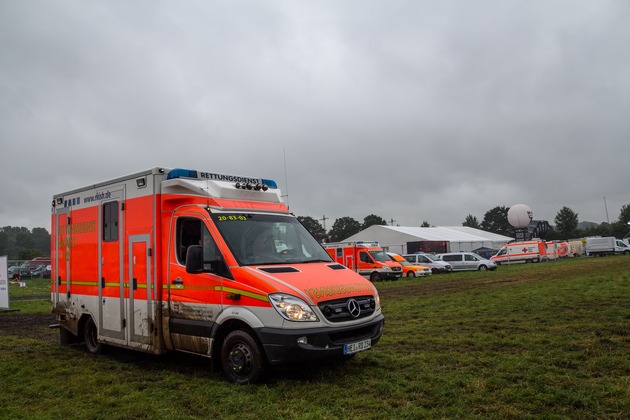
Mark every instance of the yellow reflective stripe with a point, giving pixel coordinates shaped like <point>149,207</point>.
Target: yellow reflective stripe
<point>242,293</point>
<point>107,284</point>
<point>82,283</point>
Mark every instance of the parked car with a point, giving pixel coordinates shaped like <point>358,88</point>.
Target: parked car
<point>40,271</point>
<point>467,261</point>
<point>436,265</point>
<point>409,269</point>
<point>19,271</point>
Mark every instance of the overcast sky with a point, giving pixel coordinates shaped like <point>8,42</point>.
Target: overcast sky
<point>411,110</point>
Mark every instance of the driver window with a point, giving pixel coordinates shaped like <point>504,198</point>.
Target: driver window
<point>191,231</point>
<point>364,257</point>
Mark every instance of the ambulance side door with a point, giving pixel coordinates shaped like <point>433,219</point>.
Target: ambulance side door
<point>365,263</point>
<point>194,299</point>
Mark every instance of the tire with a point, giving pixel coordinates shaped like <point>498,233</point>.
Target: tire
<point>411,274</point>
<point>90,335</point>
<point>482,267</point>
<point>374,277</point>
<point>242,358</point>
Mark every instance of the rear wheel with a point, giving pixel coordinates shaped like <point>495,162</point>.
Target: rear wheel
<point>242,359</point>
<point>90,335</point>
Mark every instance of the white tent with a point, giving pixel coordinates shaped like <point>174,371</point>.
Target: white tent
<point>403,240</point>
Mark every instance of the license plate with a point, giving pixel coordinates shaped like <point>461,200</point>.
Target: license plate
<point>357,347</point>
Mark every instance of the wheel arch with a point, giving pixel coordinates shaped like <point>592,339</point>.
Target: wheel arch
<point>246,321</point>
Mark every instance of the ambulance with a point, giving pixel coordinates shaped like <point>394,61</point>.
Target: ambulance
<point>366,258</point>
<point>215,265</point>
<point>521,252</point>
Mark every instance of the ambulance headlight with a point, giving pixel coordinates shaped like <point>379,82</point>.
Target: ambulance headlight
<point>386,268</point>
<point>292,308</point>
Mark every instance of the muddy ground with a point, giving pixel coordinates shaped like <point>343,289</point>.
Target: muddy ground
<point>31,326</point>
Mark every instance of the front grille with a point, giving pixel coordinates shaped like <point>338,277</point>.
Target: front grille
<point>396,268</point>
<point>338,310</point>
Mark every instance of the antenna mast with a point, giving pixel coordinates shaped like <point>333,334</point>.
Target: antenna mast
<point>324,220</point>
<point>286,179</point>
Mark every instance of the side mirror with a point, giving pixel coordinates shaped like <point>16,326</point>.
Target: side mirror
<point>194,259</point>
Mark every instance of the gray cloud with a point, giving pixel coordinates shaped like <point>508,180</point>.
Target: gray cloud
<point>412,111</point>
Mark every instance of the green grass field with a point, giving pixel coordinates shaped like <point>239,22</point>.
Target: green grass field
<point>545,340</point>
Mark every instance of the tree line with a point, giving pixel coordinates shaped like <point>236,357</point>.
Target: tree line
<point>20,243</point>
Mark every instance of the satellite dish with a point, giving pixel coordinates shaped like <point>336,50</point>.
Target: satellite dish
<point>519,216</point>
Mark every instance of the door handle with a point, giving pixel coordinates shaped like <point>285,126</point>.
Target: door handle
<point>177,282</point>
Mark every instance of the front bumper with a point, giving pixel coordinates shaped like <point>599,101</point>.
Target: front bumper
<point>391,275</point>
<point>282,347</point>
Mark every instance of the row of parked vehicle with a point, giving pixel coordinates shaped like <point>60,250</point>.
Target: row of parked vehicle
<point>515,252</point>
<point>452,261</point>
<point>370,260</point>
<point>26,270</point>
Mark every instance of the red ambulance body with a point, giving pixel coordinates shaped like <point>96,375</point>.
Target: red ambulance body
<point>366,258</point>
<point>180,260</point>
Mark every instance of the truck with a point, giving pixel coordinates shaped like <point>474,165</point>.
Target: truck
<point>366,258</point>
<point>521,252</point>
<point>179,260</point>
<point>600,246</point>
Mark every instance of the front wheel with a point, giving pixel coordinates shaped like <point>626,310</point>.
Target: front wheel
<point>411,274</point>
<point>90,335</point>
<point>375,277</point>
<point>482,267</point>
<point>242,359</point>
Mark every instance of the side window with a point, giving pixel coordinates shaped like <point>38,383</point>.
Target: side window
<point>188,233</point>
<point>470,258</point>
<point>192,231</point>
<point>363,256</point>
<point>110,221</point>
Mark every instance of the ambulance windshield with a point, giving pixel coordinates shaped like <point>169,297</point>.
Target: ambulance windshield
<point>380,256</point>
<point>259,239</point>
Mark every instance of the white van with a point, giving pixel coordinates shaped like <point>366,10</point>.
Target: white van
<point>436,265</point>
<point>467,261</point>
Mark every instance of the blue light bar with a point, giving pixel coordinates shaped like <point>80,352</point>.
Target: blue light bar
<point>270,183</point>
<point>181,173</point>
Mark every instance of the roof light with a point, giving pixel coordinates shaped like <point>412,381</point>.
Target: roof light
<point>269,183</point>
<point>181,173</point>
